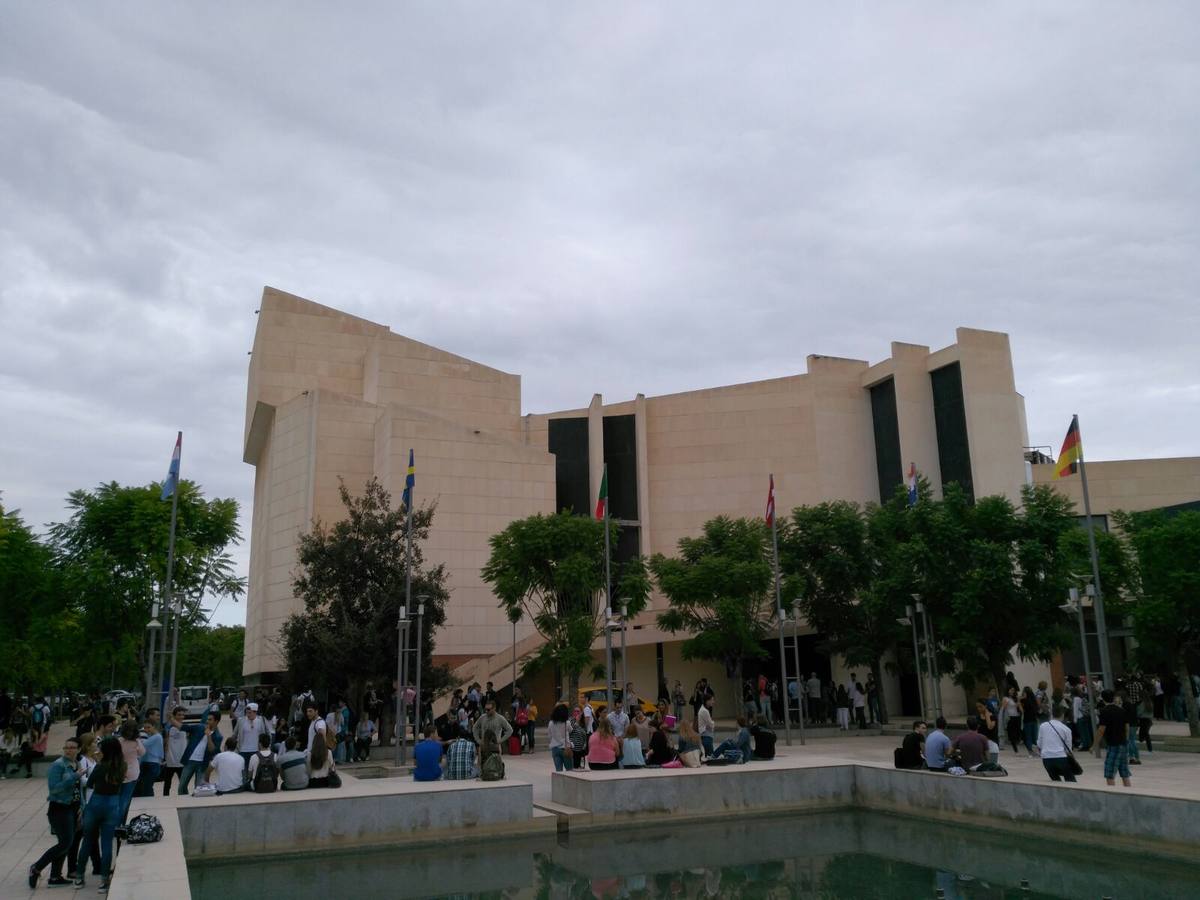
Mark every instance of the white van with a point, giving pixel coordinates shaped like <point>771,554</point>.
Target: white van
<point>194,699</point>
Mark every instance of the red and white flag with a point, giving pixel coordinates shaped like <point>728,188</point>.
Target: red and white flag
<point>771,502</point>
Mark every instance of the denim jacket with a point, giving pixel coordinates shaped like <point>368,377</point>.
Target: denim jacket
<point>62,782</point>
<point>195,736</point>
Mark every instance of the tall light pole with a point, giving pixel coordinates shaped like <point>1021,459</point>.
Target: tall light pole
<point>175,638</point>
<point>513,686</point>
<point>401,707</point>
<point>421,598</point>
<point>787,725</point>
<point>1075,605</point>
<point>800,691</point>
<point>154,626</point>
<point>624,660</point>
<point>931,657</point>
<point>910,618</point>
<point>608,627</point>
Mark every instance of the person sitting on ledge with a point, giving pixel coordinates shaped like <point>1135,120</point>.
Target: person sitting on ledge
<point>911,752</point>
<point>428,756</point>
<point>936,746</point>
<point>738,745</point>
<point>460,758</point>
<point>764,741</point>
<point>972,746</point>
<point>228,770</point>
<point>659,752</point>
<point>603,746</point>
<point>631,749</point>
<point>293,766</point>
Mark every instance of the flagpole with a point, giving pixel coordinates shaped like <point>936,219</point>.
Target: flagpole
<point>1098,601</point>
<point>608,673</point>
<point>401,706</point>
<point>787,726</point>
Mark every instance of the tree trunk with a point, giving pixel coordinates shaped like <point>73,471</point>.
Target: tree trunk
<point>877,671</point>
<point>573,695</point>
<point>1189,699</point>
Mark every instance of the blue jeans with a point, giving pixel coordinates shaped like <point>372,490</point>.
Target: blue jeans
<point>126,795</point>
<point>190,769</point>
<point>1030,730</point>
<point>146,779</point>
<point>561,760</point>
<point>728,745</point>
<point>707,741</point>
<point>101,817</point>
<point>1131,745</point>
<point>1085,733</point>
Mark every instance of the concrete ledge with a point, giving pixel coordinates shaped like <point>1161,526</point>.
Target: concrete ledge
<point>703,792</point>
<point>156,870</point>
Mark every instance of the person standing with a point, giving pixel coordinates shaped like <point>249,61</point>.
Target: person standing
<point>247,731</point>
<point>860,705</point>
<point>619,720</point>
<point>1010,712</point>
<point>1029,719</point>
<point>678,701</point>
<point>237,710</point>
<point>102,814</point>
<point>152,743</point>
<point>1159,698</point>
<point>1054,739</point>
<point>1112,730</point>
<point>843,708</point>
<point>873,698</point>
<point>491,722</point>
<point>1082,712</point>
<point>1145,716</point>
<point>133,750</point>
<point>707,727</point>
<point>175,748</point>
<point>204,742</point>
<point>815,710</point>
<point>63,807</point>
<point>558,734</point>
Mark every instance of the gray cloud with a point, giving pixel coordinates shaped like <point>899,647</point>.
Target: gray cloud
<point>618,199</point>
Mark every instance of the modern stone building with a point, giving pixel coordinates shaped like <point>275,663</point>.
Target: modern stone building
<point>331,395</point>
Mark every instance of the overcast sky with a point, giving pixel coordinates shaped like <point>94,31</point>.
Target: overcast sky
<point>600,197</point>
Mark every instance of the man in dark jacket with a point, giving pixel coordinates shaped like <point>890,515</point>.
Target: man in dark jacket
<point>204,742</point>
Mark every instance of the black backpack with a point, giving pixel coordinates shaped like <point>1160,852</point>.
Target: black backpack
<point>144,829</point>
<point>266,775</point>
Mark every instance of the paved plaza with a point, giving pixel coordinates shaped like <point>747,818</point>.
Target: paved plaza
<point>24,833</point>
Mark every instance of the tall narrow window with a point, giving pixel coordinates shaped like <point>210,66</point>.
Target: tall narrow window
<point>620,454</point>
<point>888,463</point>
<point>950,420</point>
<point>568,441</point>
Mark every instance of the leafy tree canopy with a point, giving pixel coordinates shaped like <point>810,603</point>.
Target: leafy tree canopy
<point>720,591</point>
<point>551,570</point>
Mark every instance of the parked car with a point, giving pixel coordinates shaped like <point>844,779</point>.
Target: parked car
<point>596,696</point>
<point>194,699</point>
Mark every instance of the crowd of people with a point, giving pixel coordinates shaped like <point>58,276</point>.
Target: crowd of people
<point>1048,725</point>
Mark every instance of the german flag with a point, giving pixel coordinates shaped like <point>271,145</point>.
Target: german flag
<point>1071,453</point>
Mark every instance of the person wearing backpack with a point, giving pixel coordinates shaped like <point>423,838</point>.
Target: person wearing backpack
<point>263,768</point>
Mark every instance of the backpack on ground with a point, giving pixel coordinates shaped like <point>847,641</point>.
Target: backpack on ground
<point>492,768</point>
<point>266,775</point>
<point>144,829</point>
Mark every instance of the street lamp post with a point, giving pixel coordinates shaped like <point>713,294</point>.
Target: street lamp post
<point>931,658</point>
<point>175,641</point>
<point>421,598</point>
<point>401,708</point>
<point>154,626</point>
<point>787,725</point>
<point>513,674</point>
<point>608,626</point>
<point>910,618</point>
<point>1075,605</point>
<point>624,660</point>
<point>801,694</point>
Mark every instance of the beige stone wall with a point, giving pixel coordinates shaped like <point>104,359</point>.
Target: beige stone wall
<point>1132,485</point>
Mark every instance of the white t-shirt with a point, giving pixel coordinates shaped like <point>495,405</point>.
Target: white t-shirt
<point>248,732</point>
<point>229,769</point>
<point>200,749</point>
<point>315,726</point>
<point>704,721</point>
<point>177,741</point>
<point>588,717</point>
<point>1054,738</point>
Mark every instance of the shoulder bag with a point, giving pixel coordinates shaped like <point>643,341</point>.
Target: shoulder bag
<point>1072,762</point>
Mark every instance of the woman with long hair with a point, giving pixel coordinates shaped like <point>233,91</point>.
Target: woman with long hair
<point>558,733</point>
<point>1029,719</point>
<point>89,758</point>
<point>320,760</point>
<point>603,747</point>
<point>102,814</point>
<point>1012,718</point>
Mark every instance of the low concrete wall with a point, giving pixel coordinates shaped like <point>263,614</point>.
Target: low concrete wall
<point>703,793</point>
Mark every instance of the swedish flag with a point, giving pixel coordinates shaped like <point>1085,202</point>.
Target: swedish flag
<point>410,481</point>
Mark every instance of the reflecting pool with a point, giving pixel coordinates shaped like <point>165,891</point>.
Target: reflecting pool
<point>825,855</point>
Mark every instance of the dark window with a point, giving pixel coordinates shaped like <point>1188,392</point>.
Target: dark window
<point>628,546</point>
<point>620,455</point>
<point>568,441</point>
<point>950,418</point>
<point>1099,522</point>
<point>887,439</point>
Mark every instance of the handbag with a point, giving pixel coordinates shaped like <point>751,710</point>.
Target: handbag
<point>1072,762</point>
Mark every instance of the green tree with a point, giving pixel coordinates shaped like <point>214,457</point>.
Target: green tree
<point>720,591</point>
<point>551,570</point>
<point>40,631</point>
<point>211,655</point>
<point>113,550</point>
<point>351,578</point>
<point>993,577</point>
<point>1166,594</point>
<point>842,563</point>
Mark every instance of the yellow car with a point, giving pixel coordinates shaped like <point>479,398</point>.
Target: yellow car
<point>596,696</point>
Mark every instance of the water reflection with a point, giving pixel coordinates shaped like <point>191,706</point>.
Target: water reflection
<point>829,856</point>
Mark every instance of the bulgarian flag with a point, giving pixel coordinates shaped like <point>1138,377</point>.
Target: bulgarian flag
<point>602,500</point>
<point>1071,453</point>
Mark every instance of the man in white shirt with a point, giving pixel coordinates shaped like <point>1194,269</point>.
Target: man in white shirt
<point>619,720</point>
<point>815,711</point>
<point>589,723</point>
<point>228,770</point>
<point>248,728</point>
<point>316,725</point>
